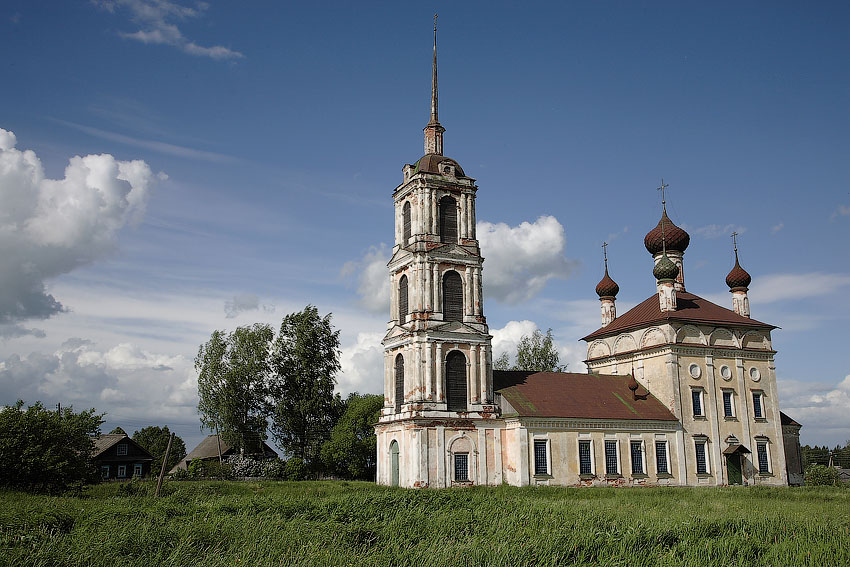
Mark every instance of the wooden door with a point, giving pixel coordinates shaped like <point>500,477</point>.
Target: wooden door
<point>733,468</point>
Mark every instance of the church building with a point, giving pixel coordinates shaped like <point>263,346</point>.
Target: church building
<point>679,390</point>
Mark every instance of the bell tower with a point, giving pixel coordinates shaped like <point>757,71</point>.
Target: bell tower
<point>437,354</point>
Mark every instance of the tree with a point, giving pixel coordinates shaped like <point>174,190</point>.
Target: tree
<point>118,431</point>
<point>233,374</point>
<point>536,353</point>
<point>304,361</point>
<point>351,450</point>
<point>47,451</point>
<point>155,440</point>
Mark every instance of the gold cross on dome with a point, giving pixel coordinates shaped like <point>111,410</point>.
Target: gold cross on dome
<point>662,188</point>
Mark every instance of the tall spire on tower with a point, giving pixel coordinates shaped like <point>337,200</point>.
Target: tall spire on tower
<point>433,130</point>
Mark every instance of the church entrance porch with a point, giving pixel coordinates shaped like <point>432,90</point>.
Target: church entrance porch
<point>733,454</point>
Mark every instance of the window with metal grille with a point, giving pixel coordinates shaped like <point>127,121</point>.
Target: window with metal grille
<point>757,409</point>
<point>452,297</point>
<point>448,220</point>
<point>122,449</point>
<point>764,462</point>
<point>661,457</point>
<point>456,381</point>
<point>541,465</point>
<point>399,382</point>
<point>702,458</point>
<point>728,410</point>
<point>696,398</point>
<point>461,467</point>
<point>585,465</point>
<point>637,457</point>
<point>402,299</point>
<point>405,213</point>
<point>612,464</point>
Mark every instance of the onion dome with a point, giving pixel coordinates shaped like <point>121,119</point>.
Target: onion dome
<point>633,385</point>
<point>738,278</point>
<point>665,269</point>
<point>607,287</point>
<point>675,238</point>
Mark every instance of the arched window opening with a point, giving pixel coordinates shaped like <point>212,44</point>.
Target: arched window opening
<point>405,223</point>
<point>394,463</point>
<point>402,299</point>
<point>456,381</point>
<point>399,382</point>
<point>448,220</point>
<point>452,297</point>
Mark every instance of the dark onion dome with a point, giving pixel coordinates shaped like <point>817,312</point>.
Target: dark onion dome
<point>738,278</point>
<point>429,163</point>
<point>676,238</point>
<point>607,287</point>
<point>665,269</point>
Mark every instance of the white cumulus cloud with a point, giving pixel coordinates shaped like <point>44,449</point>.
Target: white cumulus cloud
<point>373,285</point>
<point>362,365</point>
<point>49,227</point>
<point>519,260</point>
<point>822,409</point>
<point>781,287</point>
<point>240,303</point>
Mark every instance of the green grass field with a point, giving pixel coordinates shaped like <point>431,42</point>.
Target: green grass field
<point>349,523</point>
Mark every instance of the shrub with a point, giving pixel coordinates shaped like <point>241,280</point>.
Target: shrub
<point>821,475</point>
<point>274,468</point>
<point>295,469</point>
<point>242,466</point>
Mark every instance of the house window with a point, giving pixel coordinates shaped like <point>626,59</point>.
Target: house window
<point>763,458</point>
<point>448,220</point>
<point>662,464</point>
<point>402,299</point>
<point>541,458</point>
<point>728,403</point>
<point>399,382</point>
<point>758,410</point>
<point>122,449</point>
<point>104,471</point>
<point>405,223</point>
<point>585,462</point>
<point>702,457</point>
<point>456,381</point>
<point>696,401</point>
<point>637,457</point>
<point>462,467</point>
<point>137,470</point>
<point>452,297</point>
<point>612,460</point>
<point>122,471</point>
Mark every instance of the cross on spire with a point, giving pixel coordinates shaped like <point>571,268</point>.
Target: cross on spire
<point>663,198</point>
<point>434,130</point>
<point>735,244</point>
<point>434,108</point>
<point>605,254</point>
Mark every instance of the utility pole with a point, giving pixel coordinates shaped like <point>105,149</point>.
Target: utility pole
<point>164,461</point>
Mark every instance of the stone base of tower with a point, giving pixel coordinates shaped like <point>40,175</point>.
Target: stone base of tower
<point>439,453</point>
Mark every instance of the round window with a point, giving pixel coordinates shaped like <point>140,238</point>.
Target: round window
<point>695,371</point>
<point>755,374</point>
<point>726,372</point>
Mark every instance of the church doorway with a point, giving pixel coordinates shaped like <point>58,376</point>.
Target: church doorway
<point>394,463</point>
<point>733,469</point>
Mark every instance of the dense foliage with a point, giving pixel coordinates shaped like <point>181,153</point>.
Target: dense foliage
<point>44,450</point>
<point>214,524</point>
<point>154,439</point>
<point>536,352</point>
<point>351,450</point>
<point>822,455</point>
<point>821,475</point>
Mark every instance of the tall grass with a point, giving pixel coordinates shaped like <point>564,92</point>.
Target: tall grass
<point>340,523</point>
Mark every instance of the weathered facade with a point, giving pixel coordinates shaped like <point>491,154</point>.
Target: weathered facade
<point>118,457</point>
<point>680,391</point>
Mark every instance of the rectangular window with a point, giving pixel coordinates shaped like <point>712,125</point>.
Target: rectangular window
<point>612,464</point>
<point>540,461</point>
<point>764,461</point>
<point>696,399</point>
<point>661,457</point>
<point>137,470</point>
<point>122,471</point>
<point>728,404</point>
<point>702,457</point>
<point>758,411</point>
<point>585,462</point>
<point>122,449</point>
<point>637,457</point>
<point>104,471</point>
<point>461,467</point>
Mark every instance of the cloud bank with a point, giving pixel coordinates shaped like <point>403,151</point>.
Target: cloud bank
<point>49,227</point>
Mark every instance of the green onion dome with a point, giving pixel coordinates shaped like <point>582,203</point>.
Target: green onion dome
<point>665,269</point>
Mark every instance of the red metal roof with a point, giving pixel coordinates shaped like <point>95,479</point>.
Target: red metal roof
<point>690,308</point>
<point>571,395</point>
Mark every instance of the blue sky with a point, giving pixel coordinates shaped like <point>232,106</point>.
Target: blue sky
<point>272,135</point>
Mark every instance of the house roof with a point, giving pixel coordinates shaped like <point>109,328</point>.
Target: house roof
<point>106,441</point>
<point>785,419</point>
<point>208,449</point>
<point>572,395</point>
<point>690,308</point>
